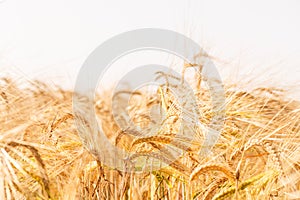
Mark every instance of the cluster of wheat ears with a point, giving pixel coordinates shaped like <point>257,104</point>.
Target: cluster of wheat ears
<point>257,155</point>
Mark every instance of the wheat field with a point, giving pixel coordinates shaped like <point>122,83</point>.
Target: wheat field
<point>257,155</point>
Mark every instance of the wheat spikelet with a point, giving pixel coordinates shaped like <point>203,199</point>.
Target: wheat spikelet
<point>274,156</point>
<point>162,139</point>
<point>212,190</point>
<point>164,151</point>
<point>266,146</point>
<point>55,124</point>
<point>238,151</point>
<point>231,190</point>
<point>43,177</point>
<point>211,167</point>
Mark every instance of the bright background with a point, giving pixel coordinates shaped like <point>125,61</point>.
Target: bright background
<point>50,40</point>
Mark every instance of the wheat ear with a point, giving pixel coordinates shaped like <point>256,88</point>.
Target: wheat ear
<point>211,167</point>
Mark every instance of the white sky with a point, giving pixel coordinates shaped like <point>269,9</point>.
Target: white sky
<point>51,39</point>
